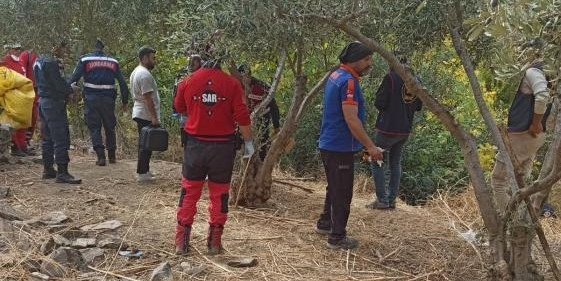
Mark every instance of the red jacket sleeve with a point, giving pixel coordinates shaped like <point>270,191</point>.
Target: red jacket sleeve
<point>241,116</point>
<point>179,101</point>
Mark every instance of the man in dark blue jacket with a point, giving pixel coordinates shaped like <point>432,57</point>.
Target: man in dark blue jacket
<point>54,93</point>
<point>396,108</point>
<point>100,71</point>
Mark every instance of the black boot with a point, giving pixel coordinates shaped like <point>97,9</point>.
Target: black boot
<point>182,237</point>
<point>111,155</point>
<point>17,152</point>
<point>49,172</point>
<point>64,177</point>
<point>214,239</point>
<point>100,157</point>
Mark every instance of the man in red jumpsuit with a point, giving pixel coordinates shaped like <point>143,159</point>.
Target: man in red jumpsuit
<point>13,62</point>
<point>213,100</point>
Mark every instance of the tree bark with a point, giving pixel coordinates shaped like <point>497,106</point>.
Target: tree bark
<point>258,181</point>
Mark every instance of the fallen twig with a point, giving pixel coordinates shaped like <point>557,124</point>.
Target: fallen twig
<point>211,261</point>
<point>272,217</point>
<point>294,185</point>
<point>296,179</point>
<point>426,275</point>
<point>112,274</point>
<point>254,238</point>
<point>241,189</point>
<point>384,266</point>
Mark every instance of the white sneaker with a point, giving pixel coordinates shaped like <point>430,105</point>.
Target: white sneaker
<point>151,174</point>
<point>144,177</point>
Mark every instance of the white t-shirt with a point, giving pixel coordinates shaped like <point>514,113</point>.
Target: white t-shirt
<point>142,82</point>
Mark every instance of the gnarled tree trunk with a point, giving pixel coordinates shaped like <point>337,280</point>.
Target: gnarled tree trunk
<point>254,186</point>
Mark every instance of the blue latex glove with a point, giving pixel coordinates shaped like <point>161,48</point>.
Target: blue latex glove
<point>182,120</point>
<point>248,149</point>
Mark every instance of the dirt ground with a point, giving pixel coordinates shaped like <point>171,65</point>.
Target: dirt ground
<point>410,243</point>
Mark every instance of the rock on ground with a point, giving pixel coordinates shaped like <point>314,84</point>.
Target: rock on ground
<point>37,276</point>
<point>9,213</point>
<point>108,225</point>
<point>81,243</point>
<point>93,256</point>
<point>4,192</point>
<point>162,273</point>
<point>61,260</point>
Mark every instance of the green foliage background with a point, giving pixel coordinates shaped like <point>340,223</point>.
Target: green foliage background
<point>255,31</point>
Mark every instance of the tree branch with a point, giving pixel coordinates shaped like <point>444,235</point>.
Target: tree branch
<point>312,93</point>
<point>454,26</point>
<point>274,85</point>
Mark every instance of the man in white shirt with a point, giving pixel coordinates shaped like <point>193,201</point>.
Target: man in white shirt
<point>146,109</point>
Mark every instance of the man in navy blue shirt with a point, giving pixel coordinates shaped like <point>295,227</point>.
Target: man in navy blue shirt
<point>396,108</point>
<point>342,135</point>
<point>100,71</point>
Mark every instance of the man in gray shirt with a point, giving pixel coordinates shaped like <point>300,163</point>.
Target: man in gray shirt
<point>146,109</point>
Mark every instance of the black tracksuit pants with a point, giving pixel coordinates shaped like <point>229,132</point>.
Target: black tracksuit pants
<point>339,170</point>
<point>143,162</point>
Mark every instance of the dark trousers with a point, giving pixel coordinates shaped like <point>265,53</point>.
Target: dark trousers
<point>100,112</point>
<point>143,163</point>
<point>339,170</point>
<point>206,158</point>
<point>54,131</point>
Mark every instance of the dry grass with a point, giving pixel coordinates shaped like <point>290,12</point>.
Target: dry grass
<point>461,213</point>
<point>411,243</point>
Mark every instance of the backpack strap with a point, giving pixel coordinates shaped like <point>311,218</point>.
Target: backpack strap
<point>349,100</point>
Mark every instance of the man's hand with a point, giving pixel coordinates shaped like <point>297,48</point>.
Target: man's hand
<point>155,122</point>
<point>375,153</point>
<point>249,149</point>
<point>125,107</point>
<point>75,87</point>
<point>535,129</point>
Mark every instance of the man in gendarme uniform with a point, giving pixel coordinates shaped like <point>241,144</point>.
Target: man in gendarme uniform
<point>342,135</point>
<point>526,127</point>
<point>54,93</point>
<point>100,72</point>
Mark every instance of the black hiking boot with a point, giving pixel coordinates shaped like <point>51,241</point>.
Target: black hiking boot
<point>344,243</point>
<point>111,156</point>
<point>100,157</point>
<point>377,205</point>
<point>64,177</point>
<point>18,153</point>
<point>214,239</point>
<point>49,173</point>
<point>323,227</point>
<point>182,238</point>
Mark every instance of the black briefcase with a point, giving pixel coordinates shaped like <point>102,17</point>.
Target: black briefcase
<point>154,138</point>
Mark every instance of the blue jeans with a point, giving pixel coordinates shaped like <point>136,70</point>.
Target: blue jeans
<point>393,147</point>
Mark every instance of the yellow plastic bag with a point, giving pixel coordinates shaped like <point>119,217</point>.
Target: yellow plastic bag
<point>16,99</point>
